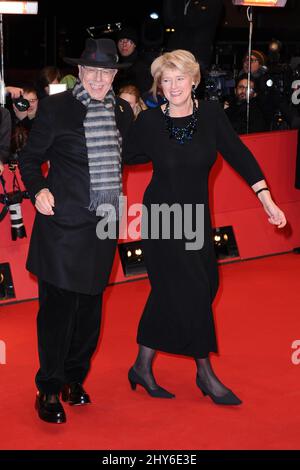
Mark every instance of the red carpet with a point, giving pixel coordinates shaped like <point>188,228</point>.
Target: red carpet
<point>257,317</point>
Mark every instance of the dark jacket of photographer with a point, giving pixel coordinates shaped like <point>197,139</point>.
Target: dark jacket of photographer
<point>64,249</point>
<point>5,134</point>
<point>237,114</point>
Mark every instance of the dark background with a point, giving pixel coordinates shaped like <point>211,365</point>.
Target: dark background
<point>31,42</point>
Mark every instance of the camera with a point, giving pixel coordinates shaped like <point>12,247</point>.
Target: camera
<point>21,103</point>
<point>12,204</point>
<point>218,84</point>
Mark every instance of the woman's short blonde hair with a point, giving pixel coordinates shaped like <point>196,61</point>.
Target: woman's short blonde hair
<point>179,59</point>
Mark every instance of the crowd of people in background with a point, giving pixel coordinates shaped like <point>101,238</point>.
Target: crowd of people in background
<point>266,109</point>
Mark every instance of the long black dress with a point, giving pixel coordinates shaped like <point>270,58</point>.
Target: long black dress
<point>178,315</point>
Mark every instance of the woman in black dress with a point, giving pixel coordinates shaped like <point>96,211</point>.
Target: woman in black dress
<point>182,138</point>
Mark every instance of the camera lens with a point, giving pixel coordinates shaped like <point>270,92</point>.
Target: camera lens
<point>21,103</point>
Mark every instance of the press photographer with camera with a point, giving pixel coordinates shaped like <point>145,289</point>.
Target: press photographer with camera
<point>25,107</point>
<point>236,109</point>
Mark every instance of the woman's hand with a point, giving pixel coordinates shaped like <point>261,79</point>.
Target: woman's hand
<point>1,168</point>
<point>44,202</point>
<point>276,216</point>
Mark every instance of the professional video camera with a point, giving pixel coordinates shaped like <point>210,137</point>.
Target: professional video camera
<point>11,202</point>
<point>218,84</point>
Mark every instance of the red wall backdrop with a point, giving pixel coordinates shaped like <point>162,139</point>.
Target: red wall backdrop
<point>232,203</point>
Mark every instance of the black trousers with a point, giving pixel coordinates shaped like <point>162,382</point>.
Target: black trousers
<point>68,326</point>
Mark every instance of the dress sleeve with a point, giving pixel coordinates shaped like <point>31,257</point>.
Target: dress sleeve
<point>235,152</point>
<point>134,148</point>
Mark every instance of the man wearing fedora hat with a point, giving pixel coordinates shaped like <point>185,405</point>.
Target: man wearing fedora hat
<point>80,133</point>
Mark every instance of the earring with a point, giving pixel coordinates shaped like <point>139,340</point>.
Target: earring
<point>193,92</point>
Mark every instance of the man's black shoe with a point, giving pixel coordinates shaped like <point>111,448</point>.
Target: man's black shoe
<point>75,394</point>
<point>49,408</point>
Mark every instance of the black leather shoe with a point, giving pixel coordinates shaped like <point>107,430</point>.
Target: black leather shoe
<point>75,394</point>
<point>49,408</point>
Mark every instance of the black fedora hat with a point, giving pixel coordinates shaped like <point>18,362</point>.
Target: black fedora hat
<point>98,53</point>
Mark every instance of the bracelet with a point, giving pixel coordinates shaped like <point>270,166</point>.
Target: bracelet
<point>260,190</point>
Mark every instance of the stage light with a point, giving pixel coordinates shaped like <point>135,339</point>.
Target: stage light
<point>132,258</point>
<point>7,290</point>
<point>154,15</point>
<point>225,243</point>
<point>260,3</point>
<point>19,8</point>
<point>275,46</point>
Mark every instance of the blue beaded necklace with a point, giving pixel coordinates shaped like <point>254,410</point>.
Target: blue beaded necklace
<point>181,134</point>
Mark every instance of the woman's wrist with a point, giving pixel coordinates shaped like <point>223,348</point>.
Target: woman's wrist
<point>265,197</point>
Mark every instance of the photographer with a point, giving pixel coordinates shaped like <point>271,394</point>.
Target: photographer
<point>237,109</point>
<point>24,114</point>
<point>5,134</point>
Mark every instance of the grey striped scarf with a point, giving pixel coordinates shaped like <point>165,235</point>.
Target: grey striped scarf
<point>104,144</point>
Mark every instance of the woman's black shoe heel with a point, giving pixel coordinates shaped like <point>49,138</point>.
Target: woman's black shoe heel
<point>228,399</point>
<point>159,392</point>
<point>132,384</point>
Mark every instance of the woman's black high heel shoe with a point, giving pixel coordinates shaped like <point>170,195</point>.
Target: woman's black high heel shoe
<point>228,399</point>
<point>158,392</point>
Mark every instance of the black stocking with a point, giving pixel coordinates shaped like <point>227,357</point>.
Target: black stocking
<point>208,377</point>
<point>143,365</point>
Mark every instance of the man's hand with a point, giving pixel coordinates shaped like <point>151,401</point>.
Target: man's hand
<point>44,202</point>
<point>14,91</point>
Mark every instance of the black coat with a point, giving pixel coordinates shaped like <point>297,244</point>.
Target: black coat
<point>64,249</point>
<point>237,115</point>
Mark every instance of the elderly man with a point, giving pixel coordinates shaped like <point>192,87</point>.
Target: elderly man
<point>80,133</point>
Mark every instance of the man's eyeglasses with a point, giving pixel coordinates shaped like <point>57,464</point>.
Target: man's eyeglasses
<point>251,60</point>
<point>242,87</point>
<point>125,40</point>
<point>105,73</point>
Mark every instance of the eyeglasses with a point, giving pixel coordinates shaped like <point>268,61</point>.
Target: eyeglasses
<point>242,87</point>
<point>121,41</point>
<point>251,60</point>
<point>105,73</point>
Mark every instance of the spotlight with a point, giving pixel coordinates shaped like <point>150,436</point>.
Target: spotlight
<point>154,15</point>
<point>19,8</point>
<point>260,3</point>
<point>132,258</point>
<point>275,46</point>
<point>6,283</point>
<point>225,243</point>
